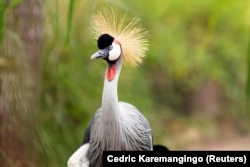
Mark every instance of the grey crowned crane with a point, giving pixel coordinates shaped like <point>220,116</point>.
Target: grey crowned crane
<point>115,125</point>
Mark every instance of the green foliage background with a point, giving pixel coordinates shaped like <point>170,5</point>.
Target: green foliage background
<point>191,43</point>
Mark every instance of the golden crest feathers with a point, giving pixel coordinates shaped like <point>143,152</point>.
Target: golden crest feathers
<point>132,37</point>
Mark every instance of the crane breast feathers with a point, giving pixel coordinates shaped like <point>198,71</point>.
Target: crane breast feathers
<point>128,32</point>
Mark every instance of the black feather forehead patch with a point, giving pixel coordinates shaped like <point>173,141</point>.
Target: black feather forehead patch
<point>104,41</point>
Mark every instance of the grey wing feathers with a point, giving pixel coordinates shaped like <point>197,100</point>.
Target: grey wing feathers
<point>130,108</point>
<point>138,124</point>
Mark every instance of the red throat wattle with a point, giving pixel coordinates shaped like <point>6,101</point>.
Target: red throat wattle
<point>111,72</point>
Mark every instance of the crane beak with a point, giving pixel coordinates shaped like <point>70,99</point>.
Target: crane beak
<point>102,53</point>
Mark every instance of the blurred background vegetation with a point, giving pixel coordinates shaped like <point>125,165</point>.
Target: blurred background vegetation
<point>192,87</point>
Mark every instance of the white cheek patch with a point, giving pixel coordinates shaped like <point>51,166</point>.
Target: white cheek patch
<point>115,52</point>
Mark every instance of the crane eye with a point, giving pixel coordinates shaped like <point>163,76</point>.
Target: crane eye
<point>110,47</point>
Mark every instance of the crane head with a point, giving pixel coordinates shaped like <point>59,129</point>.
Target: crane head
<point>109,48</point>
<point>118,36</point>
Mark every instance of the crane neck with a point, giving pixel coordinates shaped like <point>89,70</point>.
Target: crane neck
<point>110,107</point>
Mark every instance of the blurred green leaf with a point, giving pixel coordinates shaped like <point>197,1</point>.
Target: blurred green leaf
<point>69,20</point>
